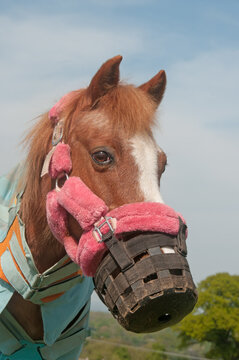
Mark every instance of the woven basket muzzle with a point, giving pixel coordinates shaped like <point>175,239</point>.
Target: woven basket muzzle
<point>145,289</point>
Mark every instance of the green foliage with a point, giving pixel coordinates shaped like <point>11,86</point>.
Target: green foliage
<point>216,317</point>
<point>157,356</point>
<point>121,354</point>
<point>106,332</point>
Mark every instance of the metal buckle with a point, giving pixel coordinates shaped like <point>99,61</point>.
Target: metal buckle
<point>57,133</point>
<point>106,236</point>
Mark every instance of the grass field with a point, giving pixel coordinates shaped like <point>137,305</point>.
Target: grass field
<point>109,341</point>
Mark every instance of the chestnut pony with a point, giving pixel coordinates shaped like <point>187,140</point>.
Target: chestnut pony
<point>108,127</point>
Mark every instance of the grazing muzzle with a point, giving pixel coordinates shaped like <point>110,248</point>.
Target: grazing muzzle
<point>136,254</point>
<point>145,289</point>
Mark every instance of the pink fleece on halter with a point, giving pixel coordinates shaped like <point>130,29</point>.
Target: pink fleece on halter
<point>54,113</point>
<point>60,162</point>
<point>56,110</point>
<point>88,209</point>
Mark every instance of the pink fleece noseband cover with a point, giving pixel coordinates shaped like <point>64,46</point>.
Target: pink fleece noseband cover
<point>56,110</point>
<point>92,214</point>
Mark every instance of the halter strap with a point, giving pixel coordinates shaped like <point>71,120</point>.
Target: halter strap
<point>97,222</point>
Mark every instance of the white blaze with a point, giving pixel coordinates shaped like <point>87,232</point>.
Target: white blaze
<point>145,153</point>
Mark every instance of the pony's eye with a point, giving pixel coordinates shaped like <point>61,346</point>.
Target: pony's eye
<point>102,157</point>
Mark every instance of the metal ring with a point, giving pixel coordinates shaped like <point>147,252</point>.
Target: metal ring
<point>58,178</point>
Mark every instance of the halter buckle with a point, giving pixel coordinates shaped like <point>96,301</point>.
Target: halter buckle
<point>104,237</point>
<point>57,133</point>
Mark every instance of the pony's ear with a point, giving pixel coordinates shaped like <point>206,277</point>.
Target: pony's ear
<point>155,87</point>
<point>105,79</point>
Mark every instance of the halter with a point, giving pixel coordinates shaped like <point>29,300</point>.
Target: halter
<point>92,214</point>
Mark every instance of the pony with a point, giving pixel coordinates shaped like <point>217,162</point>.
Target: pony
<point>108,127</point>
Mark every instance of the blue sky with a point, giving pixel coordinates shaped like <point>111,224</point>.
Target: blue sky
<point>51,47</point>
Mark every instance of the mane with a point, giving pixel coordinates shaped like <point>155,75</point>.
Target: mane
<point>38,143</point>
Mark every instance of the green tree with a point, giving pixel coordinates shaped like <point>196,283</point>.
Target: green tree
<point>215,319</point>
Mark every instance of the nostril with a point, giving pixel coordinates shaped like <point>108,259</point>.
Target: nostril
<point>164,318</point>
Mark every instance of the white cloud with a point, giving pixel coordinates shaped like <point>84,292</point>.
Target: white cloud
<point>43,54</point>
<point>48,42</point>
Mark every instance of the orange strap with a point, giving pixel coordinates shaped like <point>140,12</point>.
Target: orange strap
<point>15,228</point>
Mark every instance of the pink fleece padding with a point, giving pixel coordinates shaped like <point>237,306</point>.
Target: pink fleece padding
<point>81,202</point>
<point>57,218</point>
<point>77,199</point>
<point>151,216</point>
<point>60,161</point>
<point>130,217</point>
<point>55,112</point>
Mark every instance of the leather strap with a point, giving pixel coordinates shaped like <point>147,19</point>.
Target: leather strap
<point>119,253</point>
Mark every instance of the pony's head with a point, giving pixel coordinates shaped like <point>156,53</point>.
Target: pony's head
<point>108,127</point>
<point>105,169</point>
<point>109,133</point>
